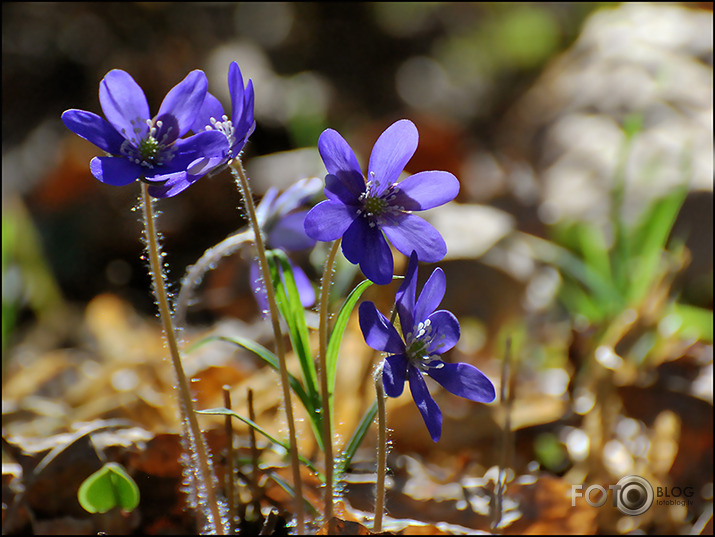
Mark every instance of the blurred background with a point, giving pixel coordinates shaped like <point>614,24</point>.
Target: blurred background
<point>582,135</point>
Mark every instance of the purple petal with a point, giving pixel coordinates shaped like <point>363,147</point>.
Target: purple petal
<point>211,108</point>
<point>394,374</point>
<point>304,286</point>
<point>235,90</point>
<point>431,295</point>
<point>289,233</point>
<point>206,144</point>
<point>182,103</point>
<point>244,126</point>
<point>391,153</point>
<point>336,189</point>
<point>379,334</point>
<point>340,160</point>
<point>115,171</point>
<point>445,331</point>
<point>93,128</point>
<point>431,413</point>
<point>464,380</point>
<point>405,296</point>
<point>328,220</point>
<point>409,232</point>
<point>297,194</point>
<point>124,104</point>
<point>174,183</point>
<point>366,246</point>
<point>425,190</point>
<point>265,208</point>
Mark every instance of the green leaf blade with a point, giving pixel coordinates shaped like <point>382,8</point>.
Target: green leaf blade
<point>109,487</point>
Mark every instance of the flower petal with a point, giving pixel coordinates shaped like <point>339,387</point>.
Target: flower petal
<point>391,153</point>
<point>289,233</point>
<point>340,160</point>
<point>244,126</point>
<point>336,189</point>
<point>93,128</point>
<point>297,194</point>
<point>366,246</point>
<point>431,295</point>
<point>328,220</point>
<point>173,184</point>
<point>431,413</point>
<point>405,296</point>
<point>124,104</point>
<point>425,190</point>
<point>235,89</point>
<point>182,103</point>
<point>445,331</point>
<point>211,108</point>
<point>464,380</point>
<point>409,232</point>
<point>115,171</point>
<point>306,292</point>
<point>379,334</point>
<point>205,144</point>
<point>394,374</point>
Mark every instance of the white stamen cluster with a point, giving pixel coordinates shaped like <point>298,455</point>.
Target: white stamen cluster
<point>147,151</point>
<point>226,127</point>
<point>375,206</point>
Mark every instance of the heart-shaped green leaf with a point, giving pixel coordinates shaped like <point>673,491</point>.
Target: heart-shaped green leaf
<point>110,486</point>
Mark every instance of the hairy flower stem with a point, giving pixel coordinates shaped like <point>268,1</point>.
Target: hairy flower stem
<point>240,174</point>
<point>381,451</point>
<point>203,474</point>
<point>324,388</point>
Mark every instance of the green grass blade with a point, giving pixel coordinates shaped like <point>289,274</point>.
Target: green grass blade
<point>336,335</point>
<point>356,439</point>
<point>272,360</point>
<point>282,483</point>
<point>261,430</point>
<point>299,326</point>
<point>649,238</point>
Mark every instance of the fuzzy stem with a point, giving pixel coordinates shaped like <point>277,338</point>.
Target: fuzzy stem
<point>324,388</point>
<point>381,451</point>
<point>203,473</point>
<point>229,481</point>
<point>242,180</point>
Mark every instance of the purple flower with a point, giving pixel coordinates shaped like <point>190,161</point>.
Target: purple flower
<point>426,335</point>
<point>237,128</point>
<point>282,223</point>
<point>360,211</point>
<point>140,147</point>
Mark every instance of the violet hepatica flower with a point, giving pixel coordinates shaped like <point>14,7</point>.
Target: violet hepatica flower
<point>426,335</point>
<point>236,128</point>
<point>281,218</point>
<point>361,210</point>
<point>145,148</point>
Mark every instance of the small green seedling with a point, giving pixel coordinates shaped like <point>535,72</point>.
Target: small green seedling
<point>110,486</point>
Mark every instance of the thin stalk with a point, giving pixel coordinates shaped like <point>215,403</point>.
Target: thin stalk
<point>506,400</point>
<point>240,175</point>
<point>203,473</point>
<point>229,484</point>
<point>381,450</point>
<point>324,388</point>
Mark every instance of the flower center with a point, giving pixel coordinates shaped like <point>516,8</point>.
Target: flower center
<point>375,205</point>
<point>417,343</point>
<point>148,151</point>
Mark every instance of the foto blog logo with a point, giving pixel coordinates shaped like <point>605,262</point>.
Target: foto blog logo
<point>632,495</point>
